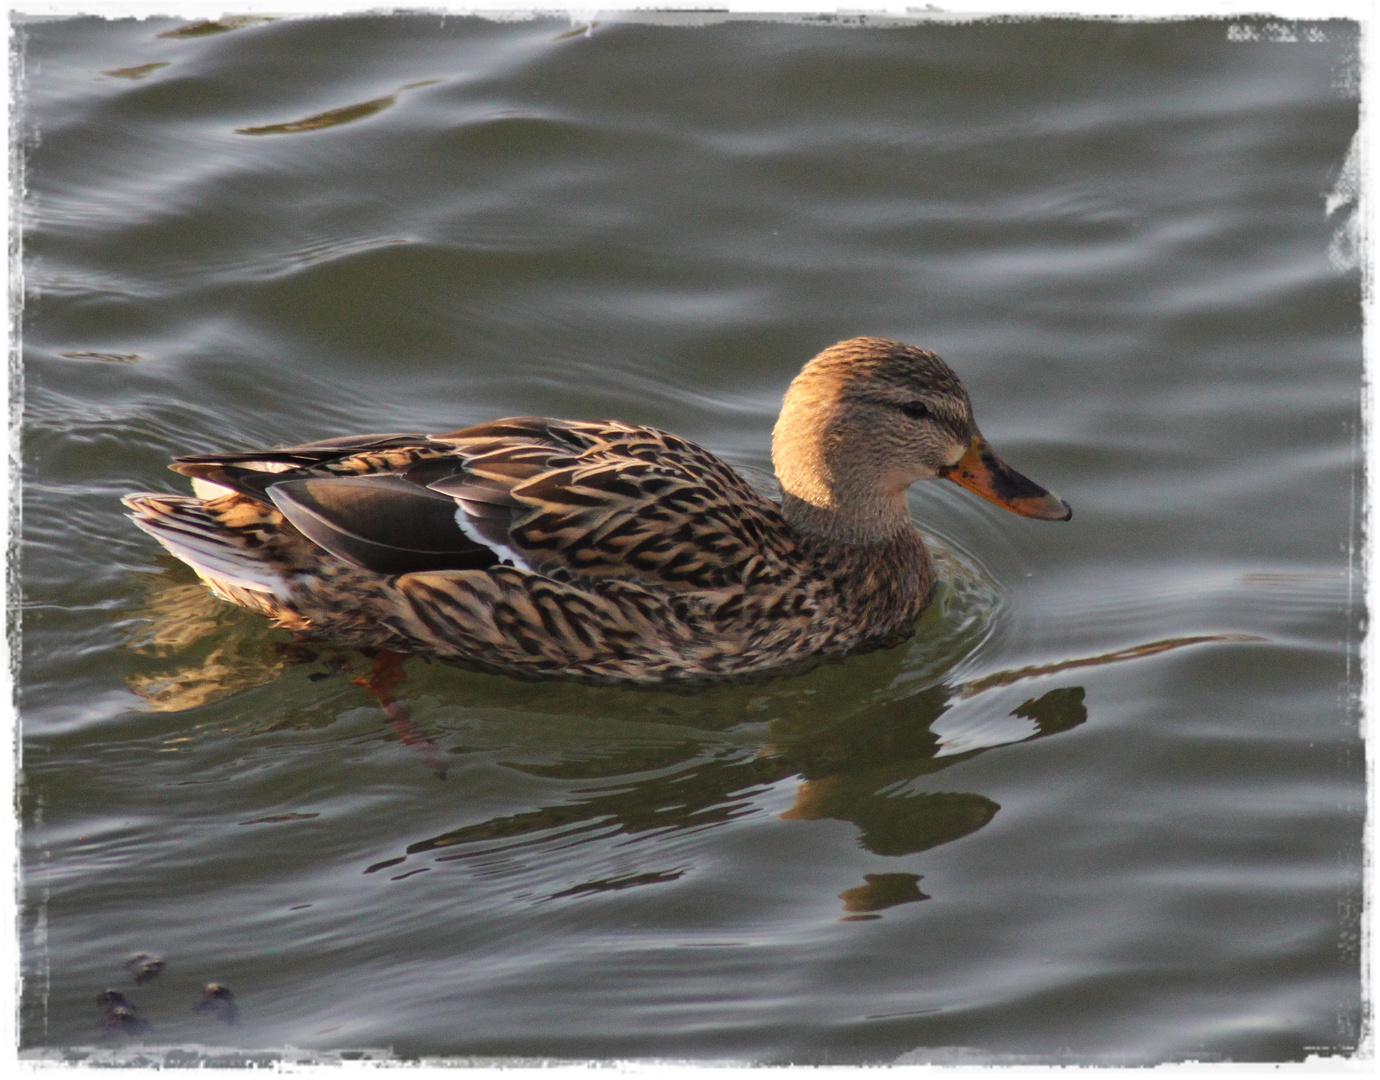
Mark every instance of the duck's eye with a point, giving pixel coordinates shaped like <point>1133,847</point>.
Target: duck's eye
<point>916,410</point>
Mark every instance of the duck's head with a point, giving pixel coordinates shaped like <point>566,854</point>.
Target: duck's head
<point>867,418</point>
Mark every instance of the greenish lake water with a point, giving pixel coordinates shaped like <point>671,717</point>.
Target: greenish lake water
<point>1106,806</point>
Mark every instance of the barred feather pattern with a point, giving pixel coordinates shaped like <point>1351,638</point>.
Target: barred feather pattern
<point>647,558</point>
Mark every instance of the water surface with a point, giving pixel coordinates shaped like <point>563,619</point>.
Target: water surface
<point>1105,806</point>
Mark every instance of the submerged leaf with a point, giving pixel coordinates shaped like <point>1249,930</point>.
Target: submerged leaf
<point>222,25</point>
<point>112,357</point>
<point>330,118</point>
<point>136,72</point>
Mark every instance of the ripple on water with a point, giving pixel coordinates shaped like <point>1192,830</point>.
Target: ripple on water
<point>1116,233</point>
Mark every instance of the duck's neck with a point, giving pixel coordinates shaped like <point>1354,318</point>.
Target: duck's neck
<point>832,486</point>
<point>862,519</point>
<point>850,513</point>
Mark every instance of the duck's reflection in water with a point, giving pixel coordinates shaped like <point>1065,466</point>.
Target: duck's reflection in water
<point>853,739</point>
<point>880,891</point>
<point>851,768</point>
<point>216,652</point>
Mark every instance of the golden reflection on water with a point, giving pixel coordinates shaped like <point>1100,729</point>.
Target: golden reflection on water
<point>218,652</point>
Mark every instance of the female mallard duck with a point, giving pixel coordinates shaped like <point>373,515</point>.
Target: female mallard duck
<point>603,551</point>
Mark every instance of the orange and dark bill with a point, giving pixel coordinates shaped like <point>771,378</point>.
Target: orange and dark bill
<point>985,474</point>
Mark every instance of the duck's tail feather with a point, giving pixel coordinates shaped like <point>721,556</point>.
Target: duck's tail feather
<point>182,525</point>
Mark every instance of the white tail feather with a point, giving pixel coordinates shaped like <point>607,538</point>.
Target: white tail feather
<point>182,526</point>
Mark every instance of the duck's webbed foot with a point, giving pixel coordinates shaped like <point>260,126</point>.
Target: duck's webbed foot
<point>385,675</point>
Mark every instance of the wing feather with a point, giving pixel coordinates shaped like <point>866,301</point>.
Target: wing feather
<point>575,499</point>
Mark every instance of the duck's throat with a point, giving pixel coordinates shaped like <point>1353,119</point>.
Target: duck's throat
<point>856,518</point>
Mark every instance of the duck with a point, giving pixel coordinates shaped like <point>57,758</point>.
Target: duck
<point>603,551</point>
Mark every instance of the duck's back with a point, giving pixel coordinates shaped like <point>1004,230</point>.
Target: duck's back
<point>565,498</point>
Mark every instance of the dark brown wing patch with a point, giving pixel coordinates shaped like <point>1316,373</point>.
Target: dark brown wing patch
<point>380,523</point>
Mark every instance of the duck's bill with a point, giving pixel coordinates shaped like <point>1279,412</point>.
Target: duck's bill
<point>985,474</point>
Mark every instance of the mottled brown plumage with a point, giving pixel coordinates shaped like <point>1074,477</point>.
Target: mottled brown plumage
<point>602,551</point>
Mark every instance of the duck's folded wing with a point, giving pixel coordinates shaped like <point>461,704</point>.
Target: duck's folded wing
<point>383,523</point>
<point>348,496</point>
<point>554,496</point>
<point>614,500</point>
